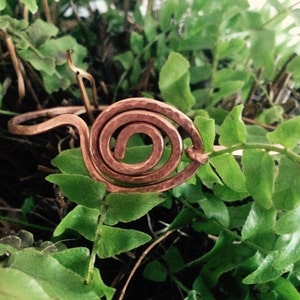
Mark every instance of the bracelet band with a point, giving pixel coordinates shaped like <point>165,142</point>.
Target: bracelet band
<point>121,120</point>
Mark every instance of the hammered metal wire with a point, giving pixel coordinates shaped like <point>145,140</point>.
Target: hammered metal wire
<point>121,121</point>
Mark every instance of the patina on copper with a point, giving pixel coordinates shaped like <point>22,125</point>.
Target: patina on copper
<point>160,122</point>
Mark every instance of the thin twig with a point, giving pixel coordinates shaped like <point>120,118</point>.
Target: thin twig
<point>47,11</point>
<point>137,264</point>
<point>17,66</point>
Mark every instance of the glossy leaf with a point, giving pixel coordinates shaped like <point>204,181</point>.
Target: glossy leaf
<point>289,254</point>
<point>259,226</point>
<point>191,192</point>
<point>225,193</point>
<point>286,194</point>
<point>215,209</point>
<point>183,218</point>
<point>285,289</point>
<point>70,162</point>
<point>59,284</point>
<point>259,171</point>
<point>224,256</point>
<point>129,207</point>
<point>201,289</point>
<point>287,133</point>
<point>80,189</point>
<point>114,241</point>
<point>82,219</point>
<point>174,82</point>
<point>229,171</point>
<point>15,284</point>
<point>266,271</point>
<point>289,222</point>
<point>233,129</point>
<point>208,176</point>
<point>206,129</point>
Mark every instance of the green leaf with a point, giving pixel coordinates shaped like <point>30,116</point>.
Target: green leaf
<point>286,193</point>
<point>70,162</point>
<point>57,281</point>
<point>174,259</point>
<point>285,289</point>
<point>31,4</point>
<point>259,169</point>
<point>262,50</point>
<point>229,49</point>
<point>233,129</point>
<point>266,271</point>
<point>224,257</point>
<point>287,133</point>
<point>259,226</point>
<point>15,284</point>
<point>183,218</point>
<point>39,32</point>
<point>114,241</point>
<point>227,194</point>
<point>190,192</point>
<point>208,176</point>
<point>289,222</point>
<point>174,79</point>
<point>38,61</point>
<point>76,259</point>
<point>229,170</point>
<point>215,209</point>
<point>150,27</point>
<point>256,134</point>
<point>100,287</point>
<point>206,128</point>
<point>292,67</point>
<point>290,253</point>
<point>226,89</point>
<point>82,219</point>
<point>201,289</point>
<point>129,207</point>
<point>155,271</point>
<point>80,189</point>
<point>271,115</point>
<point>126,59</point>
<point>136,42</point>
<point>2,5</point>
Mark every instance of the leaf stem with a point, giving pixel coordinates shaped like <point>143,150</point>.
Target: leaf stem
<point>263,146</point>
<point>95,244</point>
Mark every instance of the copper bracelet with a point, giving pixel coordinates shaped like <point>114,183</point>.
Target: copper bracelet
<point>127,117</point>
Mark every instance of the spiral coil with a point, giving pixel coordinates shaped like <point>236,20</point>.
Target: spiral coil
<point>118,122</point>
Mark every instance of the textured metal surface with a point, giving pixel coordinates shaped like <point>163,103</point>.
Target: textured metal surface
<point>118,122</point>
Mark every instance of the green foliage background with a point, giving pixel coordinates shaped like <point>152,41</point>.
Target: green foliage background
<point>202,57</point>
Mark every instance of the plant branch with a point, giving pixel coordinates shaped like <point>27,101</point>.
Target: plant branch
<point>137,264</point>
<point>95,244</point>
<point>262,146</point>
